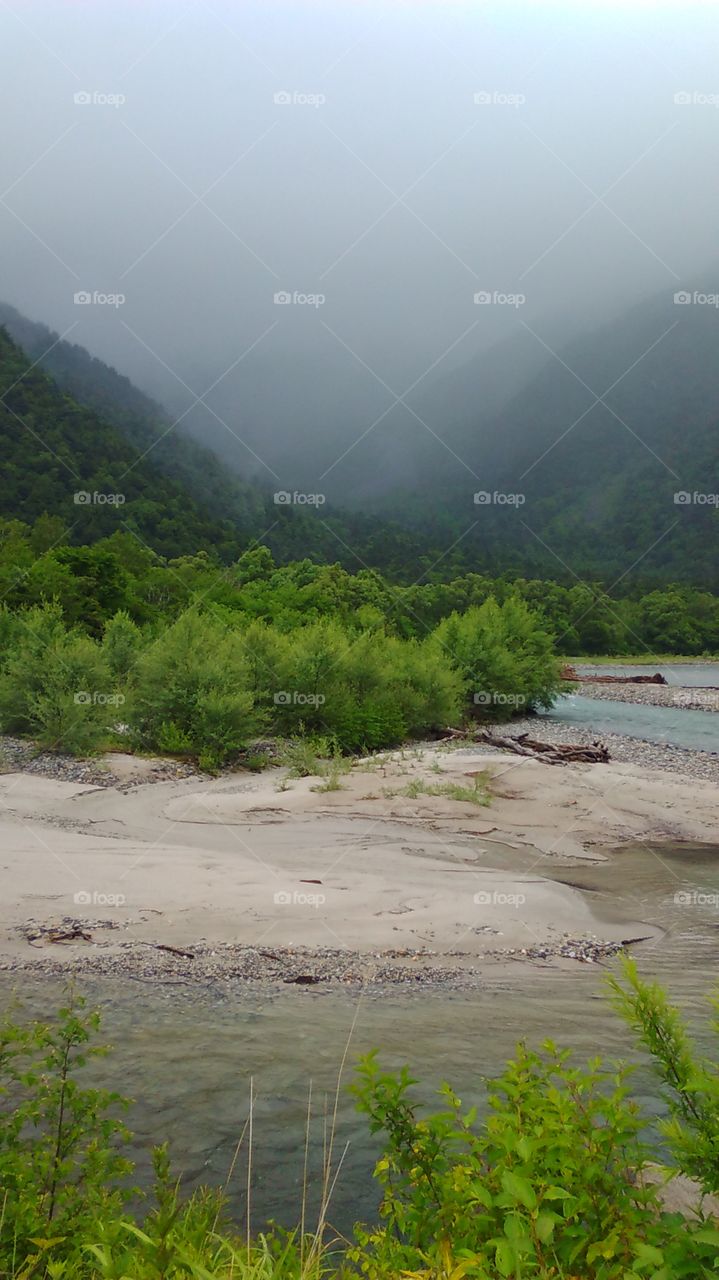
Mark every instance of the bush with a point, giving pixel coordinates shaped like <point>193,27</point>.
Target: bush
<point>546,1187</point>
<point>503,654</point>
<point>691,1081</point>
<point>368,690</point>
<point>60,1170</point>
<point>192,692</point>
<point>121,644</point>
<point>56,685</point>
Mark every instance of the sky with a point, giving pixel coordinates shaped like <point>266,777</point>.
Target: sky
<point>290,216</point>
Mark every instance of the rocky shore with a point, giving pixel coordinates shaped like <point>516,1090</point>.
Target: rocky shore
<point>686,698</point>
<point>652,755</point>
<point>324,967</point>
<point>116,769</point>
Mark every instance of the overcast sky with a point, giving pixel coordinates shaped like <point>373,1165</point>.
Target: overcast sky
<point>380,162</point>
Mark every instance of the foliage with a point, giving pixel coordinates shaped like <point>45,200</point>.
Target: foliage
<point>691,1081</point>
<point>120,572</point>
<point>545,1187</point>
<point>504,655</point>
<point>60,1168</point>
<point>56,685</point>
<point>191,692</point>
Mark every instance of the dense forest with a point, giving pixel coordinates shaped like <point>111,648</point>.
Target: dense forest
<point>134,574</point>
<point>120,572</point>
<point>91,433</point>
<point>597,443</point>
<point>601,507</point>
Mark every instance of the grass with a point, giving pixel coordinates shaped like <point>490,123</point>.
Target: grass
<point>478,794</point>
<point>331,774</point>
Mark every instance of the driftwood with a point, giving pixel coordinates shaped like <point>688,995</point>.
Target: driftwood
<point>569,673</point>
<point>552,753</point>
<point>68,935</point>
<point>174,951</point>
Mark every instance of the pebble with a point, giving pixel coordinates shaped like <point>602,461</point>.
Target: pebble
<point>298,966</point>
<point>683,697</point>
<point>20,755</point>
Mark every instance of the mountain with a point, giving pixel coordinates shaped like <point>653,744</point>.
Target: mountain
<point>63,459</point>
<point>71,425</point>
<point>586,457</point>
<point>595,445</point>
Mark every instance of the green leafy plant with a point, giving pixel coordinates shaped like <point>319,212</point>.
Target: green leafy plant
<point>691,1081</point>
<point>547,1185</point>
<point>61,1166</point>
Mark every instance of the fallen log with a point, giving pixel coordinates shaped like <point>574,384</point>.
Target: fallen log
<point>552,753</point>
<point>569,673</point>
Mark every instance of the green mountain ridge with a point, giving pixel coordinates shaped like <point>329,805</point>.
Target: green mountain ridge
<point>596,444</point>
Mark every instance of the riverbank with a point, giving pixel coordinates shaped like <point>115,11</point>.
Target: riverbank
<point>393,877</point>
<point>688,698</point>
<point>680,762</point>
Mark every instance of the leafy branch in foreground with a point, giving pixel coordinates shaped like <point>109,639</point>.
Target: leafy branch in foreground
<point>60,1166</point>
<point>546,1186</point>
<point>691,1081</point>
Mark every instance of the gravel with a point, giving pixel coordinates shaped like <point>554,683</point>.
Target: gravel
<point>300,967</point>
<point>653,695</point>
<point>19,755</point>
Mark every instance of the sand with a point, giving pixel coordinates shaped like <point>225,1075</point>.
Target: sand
<point>260,861</point>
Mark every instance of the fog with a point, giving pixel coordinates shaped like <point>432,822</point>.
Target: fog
<point>378,164</point>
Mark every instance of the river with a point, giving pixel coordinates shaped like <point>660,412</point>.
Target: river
<point>187,1055</point>
<point>680,727</point>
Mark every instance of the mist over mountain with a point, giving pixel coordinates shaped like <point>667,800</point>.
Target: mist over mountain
<point>378,165</point>
<point>392,255</point>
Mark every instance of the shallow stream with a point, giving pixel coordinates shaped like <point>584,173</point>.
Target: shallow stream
<point>187,1054</point>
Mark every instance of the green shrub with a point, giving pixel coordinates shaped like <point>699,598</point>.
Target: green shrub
<point>545,1187</point>
<point>121,644</point>
<point>191,694</point>
<point>369,690</point>
<point>691,1081</point>
<point>504,657</point>
<point>56,685</point>
<point>60,1168</point>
